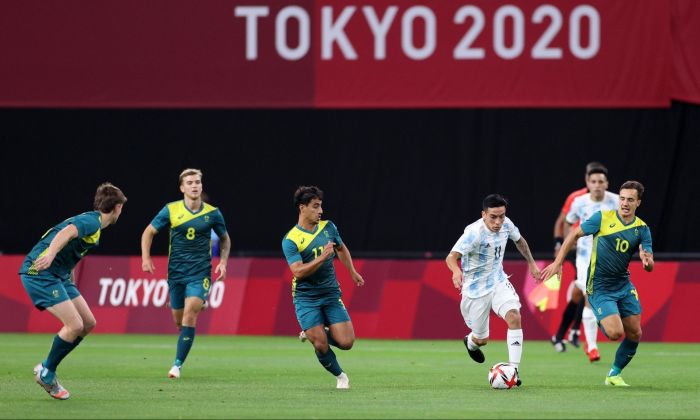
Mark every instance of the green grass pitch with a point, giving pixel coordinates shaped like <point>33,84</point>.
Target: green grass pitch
<point>124,376</point>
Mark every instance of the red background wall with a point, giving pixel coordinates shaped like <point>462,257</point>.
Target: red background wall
<point>401,299</point>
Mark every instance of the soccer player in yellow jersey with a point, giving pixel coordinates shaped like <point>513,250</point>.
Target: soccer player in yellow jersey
<point>617,234</point>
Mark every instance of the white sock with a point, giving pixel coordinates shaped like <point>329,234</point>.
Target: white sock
<point>515,346</point>
<point>470,343</point>
<point>590,327</point>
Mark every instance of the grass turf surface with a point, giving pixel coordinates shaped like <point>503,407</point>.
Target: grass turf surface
<point>124,376</point>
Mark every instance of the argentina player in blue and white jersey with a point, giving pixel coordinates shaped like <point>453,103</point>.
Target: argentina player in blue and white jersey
<point>483,283</point>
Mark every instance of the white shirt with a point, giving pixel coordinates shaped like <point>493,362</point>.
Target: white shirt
<point>582,208</point>
<point>482,256</point>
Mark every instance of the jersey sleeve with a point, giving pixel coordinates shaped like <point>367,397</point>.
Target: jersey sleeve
<point>291,251</point>
<point>162,219</point>
<point>465,243</point>
<point>645,235</point>
<point>572,216</point>
<point>87,224</point>
<point>335,235</point>
<point>219,225</point>
<point>592,225</point>
<point>513,231</point>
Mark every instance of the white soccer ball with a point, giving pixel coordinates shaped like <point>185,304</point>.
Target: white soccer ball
<point>503,376</point>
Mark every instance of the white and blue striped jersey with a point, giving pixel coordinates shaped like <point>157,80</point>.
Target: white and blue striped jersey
<point>482,256</point>
<point>582,208</point>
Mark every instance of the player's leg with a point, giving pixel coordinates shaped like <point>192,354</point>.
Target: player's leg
<point>506,304</point>
<point>567,317</point>
<point>630,313</point>
<point>196,293</point>
<point>312,322</point>
<point>177,308</point>
<point>340,331</point>
<point>476,316</point>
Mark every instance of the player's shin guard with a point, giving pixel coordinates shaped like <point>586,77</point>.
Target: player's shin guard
<point>329,362</point>
<point>184,344</point>
<point>515,346</point>
<point>590,327</point>
<point>59,350</point>
<point>625,353</point>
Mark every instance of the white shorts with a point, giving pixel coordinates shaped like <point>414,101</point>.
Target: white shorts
<point>582,273</point>
<point>476,311</point>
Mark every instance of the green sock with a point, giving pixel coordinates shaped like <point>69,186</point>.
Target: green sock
<point>184,344</point>
<point>329,362</point>
<point>59,349</point>
<point>623,356</point>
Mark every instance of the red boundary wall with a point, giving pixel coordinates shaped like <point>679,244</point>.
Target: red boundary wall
<point>406,299</point>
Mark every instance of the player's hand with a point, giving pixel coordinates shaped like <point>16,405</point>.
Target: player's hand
<point>550,270</point>
<point>457,280</point>
<point>147,265</point>
<point>535,271</point>
<point>328,250</point>
<point>221,269</point>
<point>44,261</point>
<point>357,278</point>
<point>646,257</point>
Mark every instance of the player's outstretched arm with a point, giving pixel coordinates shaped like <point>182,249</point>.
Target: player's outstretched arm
<point>345,257</point>
<point>146,242</point>
<point>57,243</point>
<point>555,267</point>
<point>225,246</point>
<point>524,249</point>
<point>452,262</point>
<point>301,270</point>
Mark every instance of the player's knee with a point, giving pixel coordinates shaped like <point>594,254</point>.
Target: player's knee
<point>614,333</point>
<point>513,319</point>
<point>88,326</point>
<point>634,335</point>
<point>346,344</point>
<point>321,346</point>
<point>75,328</point>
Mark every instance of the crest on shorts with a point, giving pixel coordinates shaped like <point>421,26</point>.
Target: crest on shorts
<point>54,293</point>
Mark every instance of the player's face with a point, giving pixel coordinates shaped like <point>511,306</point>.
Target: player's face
<point>597,184</point>
<point>629,202</point>
<point>191,186</point>
<point>494,218</point>
<point>312,212</point>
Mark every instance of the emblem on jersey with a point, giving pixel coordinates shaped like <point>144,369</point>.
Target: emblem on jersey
<point>54,293</point>
<point>325,233</point>
<point>302,240</point>
<point>612,225</point>
<point>206,218</point>
<point>180,216</point>
<point>636,232</point>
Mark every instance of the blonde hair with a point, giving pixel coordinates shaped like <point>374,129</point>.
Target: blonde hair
<point>188,172</point>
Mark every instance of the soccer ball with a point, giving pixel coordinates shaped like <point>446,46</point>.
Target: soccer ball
<point>503,376</point>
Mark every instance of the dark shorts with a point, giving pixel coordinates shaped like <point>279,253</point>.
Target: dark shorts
<point>48,290</point>
<point>624,302</point>
<point>320,311</point>
<point>195,286</point>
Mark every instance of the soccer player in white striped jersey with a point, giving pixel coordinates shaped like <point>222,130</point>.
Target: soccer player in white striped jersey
<point>582,208</point>
<point>483,283</point>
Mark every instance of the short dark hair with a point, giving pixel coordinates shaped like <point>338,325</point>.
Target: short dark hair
<point>304,195</point>
<point>494,200</point>
<point>595,167</point>
<point>634,185</point>
<point>107,197</point>
<point>598,170</point>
